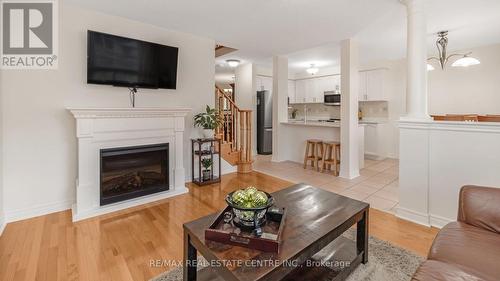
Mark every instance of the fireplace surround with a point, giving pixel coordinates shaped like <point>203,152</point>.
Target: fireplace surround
<point>108,130</point>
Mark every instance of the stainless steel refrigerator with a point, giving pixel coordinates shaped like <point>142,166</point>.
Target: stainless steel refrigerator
<point>264,122</point>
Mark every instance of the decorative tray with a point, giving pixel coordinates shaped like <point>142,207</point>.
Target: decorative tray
<point>227,232</point>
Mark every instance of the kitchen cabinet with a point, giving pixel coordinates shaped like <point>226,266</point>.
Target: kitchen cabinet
<point>291,91</point>
<point>371,85</point>
<point>326,83</point>
<point>376,140</point>
<point>311,90</point>
<point>300,91</point>
<point>362,96</point>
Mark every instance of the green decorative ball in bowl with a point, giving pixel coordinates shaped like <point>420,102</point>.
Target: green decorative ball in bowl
<point>249,206</point>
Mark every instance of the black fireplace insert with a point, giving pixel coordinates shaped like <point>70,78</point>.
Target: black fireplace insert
<point>130,172</point>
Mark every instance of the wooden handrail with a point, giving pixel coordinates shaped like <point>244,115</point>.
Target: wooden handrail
<point>236,128</point>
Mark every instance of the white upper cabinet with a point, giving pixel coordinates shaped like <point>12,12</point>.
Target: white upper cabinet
<point>312,91</point>
<point>300,91</point>
<point>375,84</point>
<point>362,86</point>
<point>371,85</point>
<point>326,83</point>
<point>291,91</point>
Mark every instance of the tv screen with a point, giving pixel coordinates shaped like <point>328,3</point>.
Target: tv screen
<point>120,61</point>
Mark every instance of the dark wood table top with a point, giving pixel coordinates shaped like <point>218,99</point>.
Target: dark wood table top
<point>314,218</point>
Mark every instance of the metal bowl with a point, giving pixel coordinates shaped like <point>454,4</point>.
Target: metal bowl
<point>249,217</point>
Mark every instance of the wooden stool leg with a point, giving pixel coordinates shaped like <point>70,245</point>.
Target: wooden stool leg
<point>330,157</point>
<point>306,155</point>
<point>323,157</point>
<point>313,148</point>
<point>335,159</point>
<point>318,151</point>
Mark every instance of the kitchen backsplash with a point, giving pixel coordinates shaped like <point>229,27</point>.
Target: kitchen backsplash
<point>371,110</point>
<point>374,109</point>
<point>315,111</point>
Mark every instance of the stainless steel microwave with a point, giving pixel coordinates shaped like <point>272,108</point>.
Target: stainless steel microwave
<point>331,98</point>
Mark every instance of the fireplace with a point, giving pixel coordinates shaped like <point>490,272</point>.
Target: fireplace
<point>130,172</point>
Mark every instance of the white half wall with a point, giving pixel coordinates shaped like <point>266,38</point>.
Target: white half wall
<point>437,159</point>
<point>38,132</point>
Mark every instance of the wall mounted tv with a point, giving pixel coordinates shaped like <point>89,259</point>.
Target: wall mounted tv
<point>125,62</point>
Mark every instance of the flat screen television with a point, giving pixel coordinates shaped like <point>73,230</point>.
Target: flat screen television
<point>126,62</point>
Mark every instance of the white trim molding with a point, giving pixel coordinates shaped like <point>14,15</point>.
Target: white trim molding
<point>103,128</point>
<point>416,217</point>
<point>38,210</point>
<point>437,158</point>
<point>3,223</point>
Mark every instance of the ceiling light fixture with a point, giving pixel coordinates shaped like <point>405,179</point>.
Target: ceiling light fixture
<point>233,63</point>
<point>312,70</point>
<point>430,67</point>
<point>442,44</point>
<point>466,61</point>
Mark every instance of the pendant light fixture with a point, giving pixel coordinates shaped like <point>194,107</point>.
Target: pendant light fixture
<point>312,70</point>
<point>442,44</point>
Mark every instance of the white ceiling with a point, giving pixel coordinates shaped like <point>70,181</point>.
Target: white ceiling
<point>308,31</point>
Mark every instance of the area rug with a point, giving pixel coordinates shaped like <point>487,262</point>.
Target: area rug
<point>386,262</point>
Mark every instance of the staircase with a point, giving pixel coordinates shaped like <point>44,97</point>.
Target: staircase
<point>235,132</point>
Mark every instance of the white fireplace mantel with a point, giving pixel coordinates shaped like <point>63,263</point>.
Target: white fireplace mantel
<point>103,128</point>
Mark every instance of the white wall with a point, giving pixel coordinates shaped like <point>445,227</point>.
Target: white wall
<point>2,218</point>
<point>455,90</point>
<point>474,89</point>
<point>246,94</point>
<point>39,133</point>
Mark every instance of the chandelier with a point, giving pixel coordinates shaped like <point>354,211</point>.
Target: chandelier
<point>441,44</point>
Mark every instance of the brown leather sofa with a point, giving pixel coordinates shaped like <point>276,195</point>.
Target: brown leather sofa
<point>468,249</point>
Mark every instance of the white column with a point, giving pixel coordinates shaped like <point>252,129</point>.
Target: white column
<point>414,134</point>
<point>280,105</point>
<point>416,101</point>
<point>349,138</point>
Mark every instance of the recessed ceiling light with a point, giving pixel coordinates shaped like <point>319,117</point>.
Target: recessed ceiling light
<point>233,63</point>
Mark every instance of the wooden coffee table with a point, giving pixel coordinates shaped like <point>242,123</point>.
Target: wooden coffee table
<point>314,219</point>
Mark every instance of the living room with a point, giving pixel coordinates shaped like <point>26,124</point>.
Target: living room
<point>66,128</point>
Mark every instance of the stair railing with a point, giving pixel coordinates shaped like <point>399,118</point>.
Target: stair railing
<point>236,128</point>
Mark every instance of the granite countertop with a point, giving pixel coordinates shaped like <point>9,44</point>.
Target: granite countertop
<point>313,124</point>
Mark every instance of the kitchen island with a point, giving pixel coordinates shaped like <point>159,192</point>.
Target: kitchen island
<point>298,132</point>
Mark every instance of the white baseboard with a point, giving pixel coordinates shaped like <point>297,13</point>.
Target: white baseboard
<point>35,211</point>
<point>438,221</point>
<point>416,217</point>
<point>2,224</point>
<point>373,156</point>
<point>421,218</point>
<point>101,210</point>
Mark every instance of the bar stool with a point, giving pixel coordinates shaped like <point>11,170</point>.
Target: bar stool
<point>314,152</point>
<point>331,155</point>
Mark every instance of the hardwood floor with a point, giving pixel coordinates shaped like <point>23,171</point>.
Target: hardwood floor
<point>122,245</point>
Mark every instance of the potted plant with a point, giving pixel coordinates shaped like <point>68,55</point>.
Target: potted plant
<point>207,166</point>
<point>208,120</point>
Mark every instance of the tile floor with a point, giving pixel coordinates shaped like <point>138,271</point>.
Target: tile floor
<point>377,185</point>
